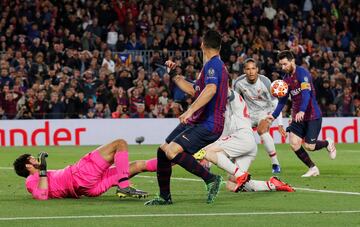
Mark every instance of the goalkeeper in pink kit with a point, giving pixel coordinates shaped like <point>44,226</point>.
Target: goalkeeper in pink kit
<point>91,176</point>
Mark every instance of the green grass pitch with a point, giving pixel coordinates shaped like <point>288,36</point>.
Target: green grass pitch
<point>302,208</point>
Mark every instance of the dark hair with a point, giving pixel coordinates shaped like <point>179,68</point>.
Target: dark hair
<point>250,60</point>
<point>212,39</point>
<point>285,54</point>
<point>20,165</point>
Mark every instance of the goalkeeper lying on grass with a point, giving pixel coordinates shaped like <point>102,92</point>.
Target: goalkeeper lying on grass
<point>91,176</point>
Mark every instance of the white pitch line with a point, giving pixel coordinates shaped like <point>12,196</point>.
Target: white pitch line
<point>327,191</point>
<point>198,180</point>
<point>296,188</point>
<point>183,215</point>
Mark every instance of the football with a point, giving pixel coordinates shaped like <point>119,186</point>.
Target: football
<point>279,88</point>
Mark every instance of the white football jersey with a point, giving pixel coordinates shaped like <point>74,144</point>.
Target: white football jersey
<point>257,95</point>
<point>236,114</point>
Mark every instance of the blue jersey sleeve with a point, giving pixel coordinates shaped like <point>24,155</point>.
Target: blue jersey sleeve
<point>213,73</point>
<point>280,106</point>
<point>305,85</point>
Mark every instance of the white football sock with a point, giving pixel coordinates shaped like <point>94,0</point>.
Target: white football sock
<point>270,147</point>
<point>258,186</point>
<point>224,162</point>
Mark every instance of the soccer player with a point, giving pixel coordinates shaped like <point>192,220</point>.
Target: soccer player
<point>238,143</point>
<point>91,176</point>
<point>306,114</point>
<point>199,126</point>
<point>255,89</point>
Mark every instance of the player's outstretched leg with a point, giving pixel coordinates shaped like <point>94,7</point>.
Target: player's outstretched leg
<point>273,184</point>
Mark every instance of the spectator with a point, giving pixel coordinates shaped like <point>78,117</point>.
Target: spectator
<point>56,107</point>
<point>140,111</point>
<point>9,104</point>
<point>64,46</point>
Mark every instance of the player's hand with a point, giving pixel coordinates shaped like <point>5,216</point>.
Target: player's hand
<point>185,116</point>
<point>170,68</point>
<point>170,64</point>
<point>299,116</point>
<point>42,163</point>
<point>270,119</point>
<point>282,131</point>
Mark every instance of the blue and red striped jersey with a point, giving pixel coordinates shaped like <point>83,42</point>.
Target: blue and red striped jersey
<point>211,116</point>
<point>303,95</point>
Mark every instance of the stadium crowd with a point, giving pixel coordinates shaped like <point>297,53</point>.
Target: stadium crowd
<point>60,59</point>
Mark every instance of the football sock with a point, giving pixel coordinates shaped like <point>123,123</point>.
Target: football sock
<point>163,173</point>
<point>320,144</point>
<point>121,160</point>
<point>304,157</point>
<point>151,165</point>
<point>270,147</point>
<point>224,163</point>
<point>258,186</point>
<point>189,163</point>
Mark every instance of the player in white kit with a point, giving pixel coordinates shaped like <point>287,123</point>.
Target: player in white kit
<point>255,89</point>
<point>235,150</point>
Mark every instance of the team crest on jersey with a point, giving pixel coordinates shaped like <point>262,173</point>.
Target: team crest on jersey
<point>306,79</point>
<point>211,72</point>
<point>197,88</point>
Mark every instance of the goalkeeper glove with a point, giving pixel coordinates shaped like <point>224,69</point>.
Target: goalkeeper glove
<point>42,163</point>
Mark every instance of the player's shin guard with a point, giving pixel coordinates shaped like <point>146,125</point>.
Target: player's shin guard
<point>163,174</point>
<point>121,160</point>
<point>270,147</point>
<point>304,157</point>
<point>189,163</point>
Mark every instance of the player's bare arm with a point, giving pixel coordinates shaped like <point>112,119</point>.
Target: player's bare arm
<point>184,85</point>
<point>204,97</point>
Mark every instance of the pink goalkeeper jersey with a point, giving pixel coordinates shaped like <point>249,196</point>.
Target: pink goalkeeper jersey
<point>61,185</point>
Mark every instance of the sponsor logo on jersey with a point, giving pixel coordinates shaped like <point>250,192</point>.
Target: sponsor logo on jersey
<point>295,91</point>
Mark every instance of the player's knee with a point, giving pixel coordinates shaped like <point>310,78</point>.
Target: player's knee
<point>171,152</point>
<point>309,147</point>
<point>140,165</point>
<point>263,127</point>
<point>261,131</point>
<point>295,146</point>
<point>163,146</point>
<point>121,145</point>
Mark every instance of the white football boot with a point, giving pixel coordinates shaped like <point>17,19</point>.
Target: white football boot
<point>312,172</point>
<point>331,148</point>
